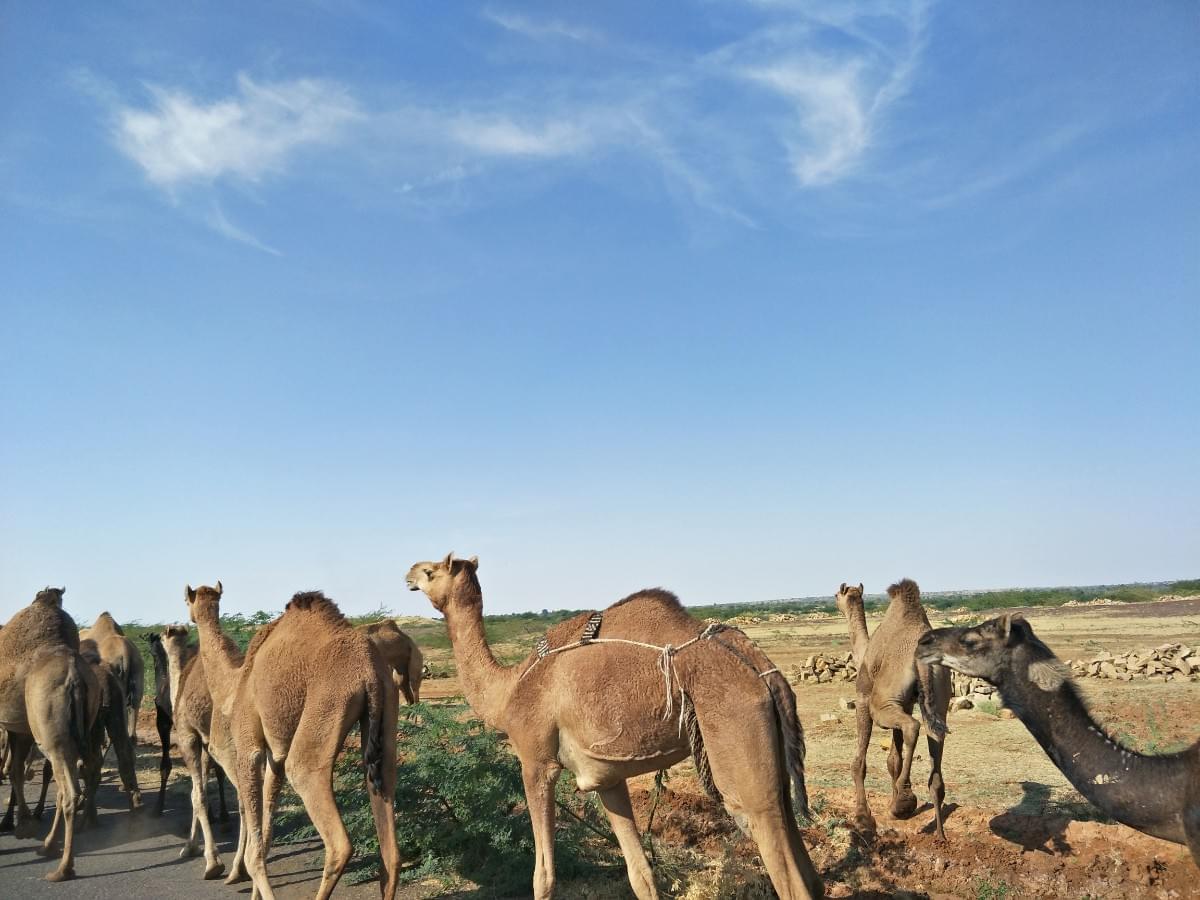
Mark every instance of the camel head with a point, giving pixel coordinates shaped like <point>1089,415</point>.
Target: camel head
<point>847,596</point>
<point>995,651</point>
<point>203,599</point>
<point>50,596</point>
<point>173,636</point>
<point>448,581</point>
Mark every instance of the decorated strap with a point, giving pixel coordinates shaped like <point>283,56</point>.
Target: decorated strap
<point>542,647</point>
<point>592,627</point>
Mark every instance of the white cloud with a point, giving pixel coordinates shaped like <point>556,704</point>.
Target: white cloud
<point>833,128</point>
<point>548,29</point>
<point>180,139</point>
<point>503,137</point>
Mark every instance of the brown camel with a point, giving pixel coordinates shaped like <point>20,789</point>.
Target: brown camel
<point>608,709</point>
<point>220,663</point>
<point>176,663</point>
<point>110,726</point>
<point>48,694</point>
<point>309,676</point>
<point>1158,795</point>
<point>108,641</point>
<point>400,652</point>
<point>890,682</point>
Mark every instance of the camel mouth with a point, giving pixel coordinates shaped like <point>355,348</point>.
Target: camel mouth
<point>411,585</point>
<point>929,657</point>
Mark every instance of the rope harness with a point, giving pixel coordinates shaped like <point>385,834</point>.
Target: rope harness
<point>666,657</point>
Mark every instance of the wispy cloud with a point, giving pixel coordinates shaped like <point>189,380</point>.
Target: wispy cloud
<point>543,29</point>
<point>805,94</point>
<point>179,140</point>
<point>499,136</point>
<point>217,220</point>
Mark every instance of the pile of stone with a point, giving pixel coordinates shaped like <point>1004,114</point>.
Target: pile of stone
<point>969,692</point>
<point>1168,662</point>
<point>821,668</point>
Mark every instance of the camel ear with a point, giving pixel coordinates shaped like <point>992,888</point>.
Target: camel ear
<point>474,561</point>
<point>188,594</point>
<point>448,562</point>
<point>842,589</point>
<point>61,591</point>
<point>860,588</point>
<point>220,590</point>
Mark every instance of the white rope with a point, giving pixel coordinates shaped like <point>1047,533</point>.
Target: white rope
<point>768,672</point>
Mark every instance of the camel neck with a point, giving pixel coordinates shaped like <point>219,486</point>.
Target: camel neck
<point>219,655</point>
<point>1144,792</point>
<point>856,621</point>
<point>485,683</point>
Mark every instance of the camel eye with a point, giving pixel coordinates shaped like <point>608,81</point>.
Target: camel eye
<point>429,573</point>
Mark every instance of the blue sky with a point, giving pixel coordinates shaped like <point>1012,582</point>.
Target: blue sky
<point>744,299</point>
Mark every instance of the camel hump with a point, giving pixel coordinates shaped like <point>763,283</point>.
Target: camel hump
<point>105,622</point>
<point>658,596</point>
<point>905,589</point>
<point>314,602</point>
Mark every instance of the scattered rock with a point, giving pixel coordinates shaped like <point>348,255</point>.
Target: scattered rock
<point>830,717</point>
<point>959,703</point>
<point>1007,713</point>
<point>847,703</point>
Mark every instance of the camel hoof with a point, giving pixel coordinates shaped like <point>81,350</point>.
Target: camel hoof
<point>60,875</point>
<point>865,826</point>
<point>135,801</point>
<point>188,851</point>
<point>48,850</point>
<point>237,877</point>
<point>214,871</point>
<point>25,830</point>
<point>903,807</point>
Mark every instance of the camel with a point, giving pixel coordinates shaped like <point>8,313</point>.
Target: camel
<point>110,725</point>
<point>1158,795</point>
<point>401,653</point>
<point>176,663</point>
<point>219,662</point>
<point>890,681</point>
<point>108,641</point>
<point>48,694</point>
<point>620,704</point>
<point>309,676</point>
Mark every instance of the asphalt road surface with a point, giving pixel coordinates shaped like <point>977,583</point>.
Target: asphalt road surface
<point>136,854</point>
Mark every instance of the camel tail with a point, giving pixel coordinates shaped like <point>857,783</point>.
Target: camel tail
<point>691,727</point>
<point>932,681</point>
<point>77,724</point>
<point>791,733</point>
<point>416,671</point>
<point>372,736</point>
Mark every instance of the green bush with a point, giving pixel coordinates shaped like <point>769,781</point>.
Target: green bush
<point>460,809</point>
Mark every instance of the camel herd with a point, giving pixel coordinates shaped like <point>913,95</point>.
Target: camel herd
<point>607,695</point>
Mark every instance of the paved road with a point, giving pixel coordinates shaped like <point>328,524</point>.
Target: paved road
<point>137,855</point>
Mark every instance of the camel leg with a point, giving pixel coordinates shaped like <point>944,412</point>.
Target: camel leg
<point>197,762</point>
<point>384,813</point>
<point>223,810</point>
<point>162,721</point>
<point>315,787</point>
<point>539,781</point>
<point>759,795</point>
<point>19,746</point>
<point>250,766</point>
<point>620,816</point>
<point>272,785</point>
<point>126,765</point>
<point>238,871</point>
<point>47,773</point>
<point>65,775</point>
<point>937,787</point>
<point>892,715</point>
<point>864,822</point>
